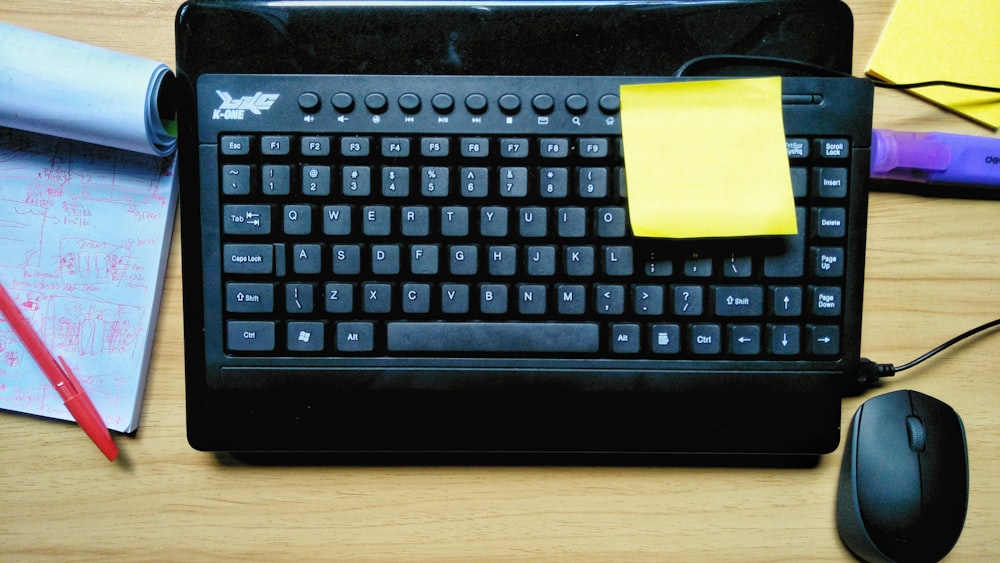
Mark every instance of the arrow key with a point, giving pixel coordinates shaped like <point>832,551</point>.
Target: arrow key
<point>824,340</point>
<point>786,301</point>
<point>784,340</point>
<point>744,340</point>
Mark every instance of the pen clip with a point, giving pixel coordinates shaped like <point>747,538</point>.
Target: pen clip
<point>73,388</point>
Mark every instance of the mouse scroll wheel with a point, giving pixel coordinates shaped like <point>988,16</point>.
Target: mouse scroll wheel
<point>916,433</point>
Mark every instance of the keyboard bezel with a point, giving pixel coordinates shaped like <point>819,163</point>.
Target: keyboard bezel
<point>722,405</point>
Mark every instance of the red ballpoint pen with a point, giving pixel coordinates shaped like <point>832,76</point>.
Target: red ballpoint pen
<point>61,377</point>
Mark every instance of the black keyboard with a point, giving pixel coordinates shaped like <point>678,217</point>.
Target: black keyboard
<point>445,262</point>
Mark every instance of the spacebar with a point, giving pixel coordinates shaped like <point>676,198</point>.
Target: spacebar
<point>492,337</point>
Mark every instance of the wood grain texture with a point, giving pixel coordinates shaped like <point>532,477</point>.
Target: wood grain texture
<point>933,271</point>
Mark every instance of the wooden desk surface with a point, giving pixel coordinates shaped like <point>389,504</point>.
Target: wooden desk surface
<point>933,271</point>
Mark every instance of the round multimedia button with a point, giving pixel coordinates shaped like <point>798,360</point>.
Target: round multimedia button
<point>376,102</point>
<point>342,102</point>
<point>443,103</point>
<point>576,103</point>
<point>309,102</point>
<point>543,103</point>
<point>409,102</point>
<point>510,103</point>
<point>476,103</point>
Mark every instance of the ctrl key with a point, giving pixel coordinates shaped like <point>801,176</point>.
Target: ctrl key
<point>248,258</point>
<point>249,336</point>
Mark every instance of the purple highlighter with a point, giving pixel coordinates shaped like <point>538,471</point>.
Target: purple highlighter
<point>935,158</point>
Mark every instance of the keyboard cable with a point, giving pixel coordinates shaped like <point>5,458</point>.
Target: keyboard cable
<point>870,372</point>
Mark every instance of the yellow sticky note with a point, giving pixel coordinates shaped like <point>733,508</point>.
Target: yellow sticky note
<point>935,40</point>
<point>707,159</point>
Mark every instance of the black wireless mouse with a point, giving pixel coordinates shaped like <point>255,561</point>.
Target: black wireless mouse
<point>904,482</point>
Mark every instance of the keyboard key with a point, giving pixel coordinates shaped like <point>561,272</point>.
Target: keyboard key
<point>592,148</point>
<point>275,179</point>
<point>618,260</point>
<point>314,146</point>
<point>395,181</point>
<point>738,301</point>
<point>434,181</point>
<point>337,220</point>
<point>546,337</point>
<point>246,219</point>
<point>514,181</point>
<point>571,299</point>
<point>275,145</point>
<point>474,147</point>
<point>338,298</point>
<point>554,182</point>
<point>829,222</point>
<point>706,339</point>
<point>541,260</point>
<point>743,340</point>
<point>436,147</point>
<point>299,298</point>
<point>355,337</point>
<point>648,300</point>
<point>305,336</point>
<point>416,298</point>
<point>531,299</point>
<point>826,301</point>
<point>248,258</point>
<point>475,182</point>
<point>356,181</point>
<point>833,148</point>
<point>553,148</point>
<point>347,259</point>
<point>827,262</point>
<point>579,260</point>
<point>593,182</point>
<point>236,179</point>
<point>296,220</point>
<point>830,182</point>
<point>611,222</point>
<point>514,147</point>
<point>609,299</point>
<point>533,222</point>
<point>665,339</point>
<point>786,301</point>
<point>316,180</point>
<point>789,261</point>
<point>306,259</point>
<point>571,222</point>
<point>376,298</point>
<point>376,220</point>
<point>824,340</point>
<point>249,336</point>
<point>625,338</point>
<point>687,300</point>
<point>455,221</point>
<point>249,297</point>
<point>797,148</point>
<point>235,145</point>
<point>784,339</point>
<point>385,259</point>
<point>395,147</point>
<point>463,260</point>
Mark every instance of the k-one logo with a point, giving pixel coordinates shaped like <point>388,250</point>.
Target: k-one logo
<point>236,108</point>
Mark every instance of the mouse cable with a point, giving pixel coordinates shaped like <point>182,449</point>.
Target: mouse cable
<point>870,372</point>
<point>700,65</point>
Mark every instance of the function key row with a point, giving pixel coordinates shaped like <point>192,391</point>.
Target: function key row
<point>359,146</point>
<point>444,103</point>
